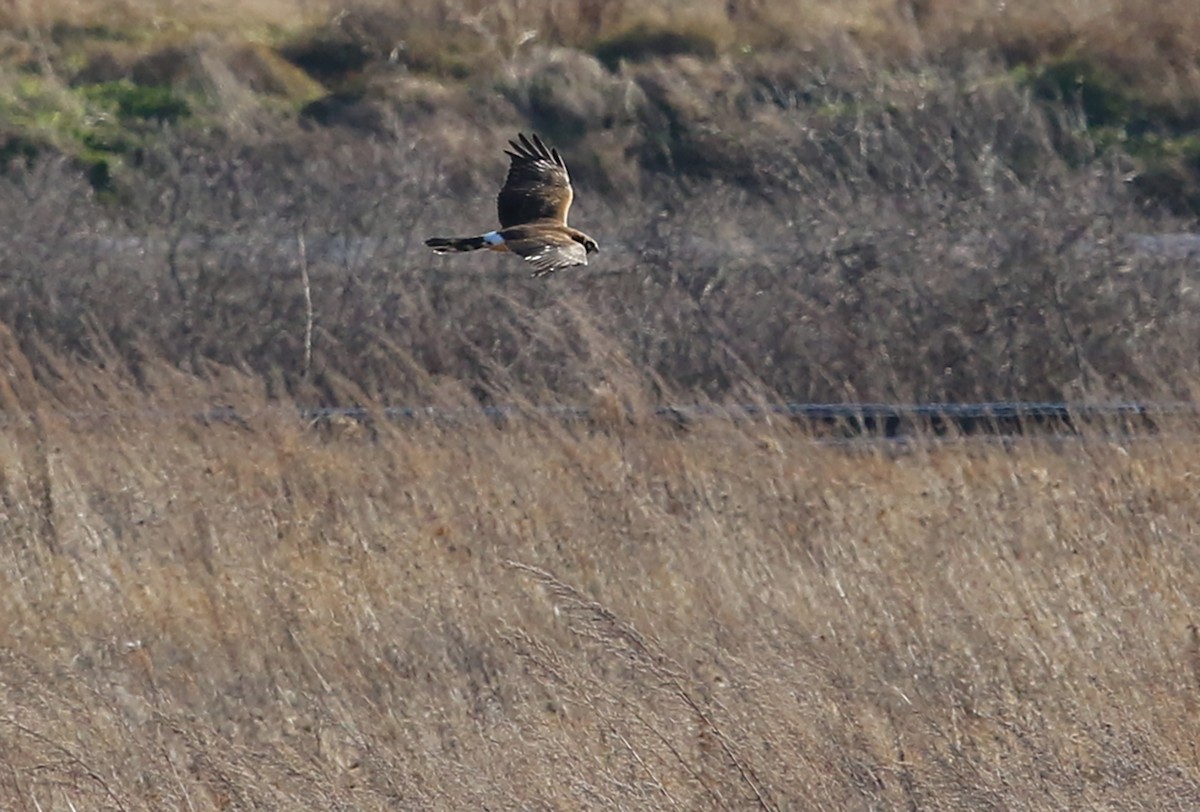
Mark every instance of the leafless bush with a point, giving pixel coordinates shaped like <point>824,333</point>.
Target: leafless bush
<point>807,236</point>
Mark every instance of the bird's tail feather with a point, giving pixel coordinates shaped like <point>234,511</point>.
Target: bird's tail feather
<point>444,245</point>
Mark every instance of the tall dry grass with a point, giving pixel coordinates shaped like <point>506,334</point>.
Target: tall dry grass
<point>1150,49</point>
<point>1027,27</point>
<point>171,17</point>
<point>545,616</point>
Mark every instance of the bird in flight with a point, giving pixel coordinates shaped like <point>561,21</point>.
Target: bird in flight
<point>533,206</point>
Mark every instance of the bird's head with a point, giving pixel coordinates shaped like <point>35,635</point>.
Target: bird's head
<point>590,245</point>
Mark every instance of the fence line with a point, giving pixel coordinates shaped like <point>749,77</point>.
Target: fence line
<point>830,420</point>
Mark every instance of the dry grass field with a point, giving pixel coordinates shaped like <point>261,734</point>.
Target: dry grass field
<point>797,200</point>
<point>268,615</point>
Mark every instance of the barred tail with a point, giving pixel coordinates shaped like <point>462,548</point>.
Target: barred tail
<point>444,245</point>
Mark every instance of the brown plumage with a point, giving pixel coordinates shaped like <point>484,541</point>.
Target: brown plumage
<point>532,206</point>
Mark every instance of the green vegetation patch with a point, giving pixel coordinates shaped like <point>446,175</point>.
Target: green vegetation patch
<point>1074,79</point>
<point>96,124</point>
<point>134,101</point>
<point>1158,136</point>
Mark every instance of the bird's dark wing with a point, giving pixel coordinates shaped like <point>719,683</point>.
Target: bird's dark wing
<point>537,187</point>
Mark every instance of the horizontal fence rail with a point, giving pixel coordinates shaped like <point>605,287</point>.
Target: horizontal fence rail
<point>828,420</point>
<point>841,419</point>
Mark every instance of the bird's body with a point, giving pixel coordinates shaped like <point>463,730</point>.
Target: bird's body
<point>532,205</point>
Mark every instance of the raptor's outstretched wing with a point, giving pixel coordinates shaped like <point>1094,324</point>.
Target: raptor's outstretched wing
<point>537,187</point>
<point>548,252</point>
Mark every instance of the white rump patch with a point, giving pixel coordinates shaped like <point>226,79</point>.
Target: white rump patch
<point>493,238</point>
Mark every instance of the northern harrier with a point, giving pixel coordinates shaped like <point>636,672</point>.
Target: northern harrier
<point>533,208</point>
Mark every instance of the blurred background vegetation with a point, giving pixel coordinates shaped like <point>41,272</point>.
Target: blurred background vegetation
<point>925,200</point>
